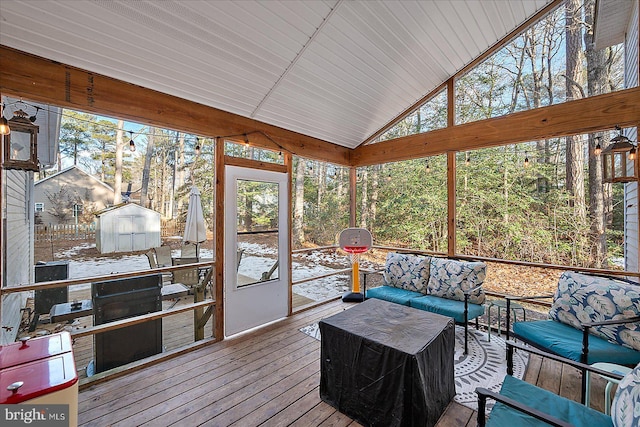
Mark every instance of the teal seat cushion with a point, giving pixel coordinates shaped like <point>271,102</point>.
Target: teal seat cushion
<point>566,341</point>
<point>392,294</point>
<point>545,401</point>
<point>447,307</point>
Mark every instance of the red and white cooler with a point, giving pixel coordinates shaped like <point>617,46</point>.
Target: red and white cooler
<point>40,371</point>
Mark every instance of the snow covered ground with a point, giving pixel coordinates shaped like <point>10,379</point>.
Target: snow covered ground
<point>255,260</point>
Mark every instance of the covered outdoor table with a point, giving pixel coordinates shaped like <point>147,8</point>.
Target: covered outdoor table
<point>385,364</point>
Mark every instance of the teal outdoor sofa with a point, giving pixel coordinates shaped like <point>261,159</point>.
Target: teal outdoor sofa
<point>592,319</point>
<point>444,286</point>
<point>523,404</point>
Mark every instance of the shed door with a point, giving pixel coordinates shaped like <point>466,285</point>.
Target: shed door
<point>131,233</point>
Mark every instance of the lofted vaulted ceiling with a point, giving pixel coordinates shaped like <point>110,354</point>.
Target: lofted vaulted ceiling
<point>334,70</point>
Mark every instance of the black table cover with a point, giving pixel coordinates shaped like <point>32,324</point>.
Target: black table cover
<point>385,364</point>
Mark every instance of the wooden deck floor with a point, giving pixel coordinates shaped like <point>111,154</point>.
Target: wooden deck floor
<point>266,377</point>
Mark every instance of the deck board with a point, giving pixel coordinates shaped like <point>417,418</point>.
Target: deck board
<point>265,377</point>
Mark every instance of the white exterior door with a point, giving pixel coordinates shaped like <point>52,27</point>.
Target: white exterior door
<point>256,248</point>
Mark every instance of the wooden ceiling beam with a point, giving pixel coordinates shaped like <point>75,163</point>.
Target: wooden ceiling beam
<point>30,77</point>
<point>581,116</point>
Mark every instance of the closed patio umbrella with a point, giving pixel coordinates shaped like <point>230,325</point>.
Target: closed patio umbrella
<point>195,230</point>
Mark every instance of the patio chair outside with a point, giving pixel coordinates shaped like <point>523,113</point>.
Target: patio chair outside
<point>163,256</point>
<point>189,250</point>
<point>189,276</point>
<point>151,256</point>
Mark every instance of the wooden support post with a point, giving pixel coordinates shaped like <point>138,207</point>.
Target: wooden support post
<point>218,328</point>
<point>288,162</point>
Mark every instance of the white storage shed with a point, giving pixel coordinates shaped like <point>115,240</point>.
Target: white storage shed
<point>126,228</point>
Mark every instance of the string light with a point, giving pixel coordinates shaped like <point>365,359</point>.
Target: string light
<point>389,177</point>
<point>526,160</point>
<point>598,150</point>
<point>468,159</point>
<point>35,116</point>
<point>132,145</point>
<point>197,146</point>
<point>426,166</point>
<point>4,126</point>
<point>246,140</point>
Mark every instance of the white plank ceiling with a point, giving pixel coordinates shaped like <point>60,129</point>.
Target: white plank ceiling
<point>334,70</point>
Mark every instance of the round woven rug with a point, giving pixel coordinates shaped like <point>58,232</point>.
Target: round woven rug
<point>484,366</point>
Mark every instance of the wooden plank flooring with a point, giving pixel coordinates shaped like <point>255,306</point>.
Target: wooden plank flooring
<point>266,377</point>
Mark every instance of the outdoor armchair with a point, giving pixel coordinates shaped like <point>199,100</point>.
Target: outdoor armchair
<point>524,404</point>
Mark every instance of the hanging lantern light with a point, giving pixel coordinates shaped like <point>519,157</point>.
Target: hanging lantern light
<point>619,160</point>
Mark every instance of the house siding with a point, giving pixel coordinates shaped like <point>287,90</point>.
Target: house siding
<point>18,216</point>
<point>94,194</point>
<point>631,189</point>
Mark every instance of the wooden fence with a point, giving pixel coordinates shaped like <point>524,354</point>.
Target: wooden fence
<point>88,231</point>
<point>171,227</point>
<point>64,232</point>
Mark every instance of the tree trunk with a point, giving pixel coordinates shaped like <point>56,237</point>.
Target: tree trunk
<point>322,182</point>
<point>596,84</point>
<point>574,147</point>
<point>147,167</point>
<point>181,169</point>
<point>117,185</point>
<point>373,206</point>
<point>298,204</point>
<point>364,211</point>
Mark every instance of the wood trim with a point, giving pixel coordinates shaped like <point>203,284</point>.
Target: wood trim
<point>254,164</point>
<point>596,113</point>
<point>451,102</point>
<point>469,66</point>
<point>129,321</point>
<point>115,276</point>
<point>27,76</point>
<point>218,321</point>
<point>288,163</point>
<point>451,203</point>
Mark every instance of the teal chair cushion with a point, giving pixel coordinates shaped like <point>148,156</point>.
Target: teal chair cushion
<point>583,298</point>
<point>407,271</point>
<point>545,401</point>
<point>391,294</point>
<point>566,341</point>
<point>447,307</point>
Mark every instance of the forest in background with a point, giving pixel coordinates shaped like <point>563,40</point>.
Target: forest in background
<point>539,201</point>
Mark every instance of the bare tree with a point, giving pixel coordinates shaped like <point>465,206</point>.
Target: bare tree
<point>298,204</point>
<point>597,78</point>
<point>117,185</point>
<point>575,150</point>
<point>147,167</point>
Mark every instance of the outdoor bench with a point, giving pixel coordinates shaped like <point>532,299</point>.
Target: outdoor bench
<point>444,286</point>
<point>521,403</point>
<point>592,319</point>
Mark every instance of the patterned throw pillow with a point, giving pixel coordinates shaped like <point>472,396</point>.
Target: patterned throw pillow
<point>450,278</point>
<point>406,271</point>
<point>582,298</point>
<point>625,409</point>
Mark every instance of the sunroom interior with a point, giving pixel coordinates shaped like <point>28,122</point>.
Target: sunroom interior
<point>364,91</point>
